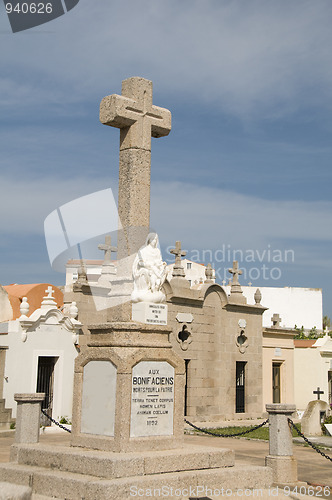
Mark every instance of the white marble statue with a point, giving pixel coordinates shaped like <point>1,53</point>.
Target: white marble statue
<point>149,272</point>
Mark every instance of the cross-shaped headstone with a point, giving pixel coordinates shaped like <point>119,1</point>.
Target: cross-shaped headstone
<point>138,119</point>
<point>318,392</point>
<point>49,292</point>
<point>235,271</point>
<point>208,274</point>
<point>178,270</point>
<point>249,284</point>
<point>107,248</point>
<point>276,320</point>
<point>223,282</point>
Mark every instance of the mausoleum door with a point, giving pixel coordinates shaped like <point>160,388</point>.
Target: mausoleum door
<point>45,383</point>
<point>240,387</point>
<point>187,361</point>
<point>276,382</point>
<point>2,370</point>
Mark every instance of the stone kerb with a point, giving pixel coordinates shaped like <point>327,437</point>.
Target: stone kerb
<point>122,350</point>
<point>28,417</point>
<point>280,458</point>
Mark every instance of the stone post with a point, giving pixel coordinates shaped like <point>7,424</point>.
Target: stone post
<point>28,417</point>
<point>280,458</point>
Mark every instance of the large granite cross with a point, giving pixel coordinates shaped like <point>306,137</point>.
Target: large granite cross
<point>138,119</point>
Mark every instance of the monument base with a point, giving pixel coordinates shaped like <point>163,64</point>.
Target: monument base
<point>284,469</point>
<point>128,390</point>
<point>72,473</point>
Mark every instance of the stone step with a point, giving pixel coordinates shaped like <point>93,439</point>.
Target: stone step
<point>116,465</point>
<point>70,486</point>
<point>5,414</point>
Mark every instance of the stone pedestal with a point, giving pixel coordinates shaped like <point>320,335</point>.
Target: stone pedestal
<point>280,458</point>
<point>28,417</point>
<point>128,390</point>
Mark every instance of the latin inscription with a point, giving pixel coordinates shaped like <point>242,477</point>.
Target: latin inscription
<point>151,314</point>
<point>152,399</point>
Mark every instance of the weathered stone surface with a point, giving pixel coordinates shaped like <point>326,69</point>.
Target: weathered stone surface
<point>136,344</point>
<point>115,465</point>
<point>14,492</point>
<point>311,420</point>
<point>28,417</point>
<point>284,469</point>
<point>138,119</point>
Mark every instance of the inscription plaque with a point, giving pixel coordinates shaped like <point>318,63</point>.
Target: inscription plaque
<point>152,399</point>
<point>98,398</point>
<point>151,314</point>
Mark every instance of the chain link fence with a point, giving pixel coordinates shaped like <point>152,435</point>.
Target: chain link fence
<point>227,435</point>
<point>55,422</point>
<point>293,426</point>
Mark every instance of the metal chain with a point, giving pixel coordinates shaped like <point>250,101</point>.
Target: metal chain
<point>227,435</point>
<point>55,422</point>
<point>307,441</point>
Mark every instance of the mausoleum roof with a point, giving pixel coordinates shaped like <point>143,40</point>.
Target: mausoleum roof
<point>34,293</point>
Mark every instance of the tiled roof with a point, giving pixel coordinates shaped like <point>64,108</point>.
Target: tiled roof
<point>34,292</point>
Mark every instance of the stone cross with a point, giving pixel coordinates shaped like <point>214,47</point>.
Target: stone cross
<point>318,392</point>
<point>49,292</point>
<point>235,271</point>
<point>236,290</point>
<point>138,119</point>
<point>276,320</point>
<point>107,248</point>
<point>178,270</point>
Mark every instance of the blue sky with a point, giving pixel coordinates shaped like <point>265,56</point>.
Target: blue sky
<point>247,165</point>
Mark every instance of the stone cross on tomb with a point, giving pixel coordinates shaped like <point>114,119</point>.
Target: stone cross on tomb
<point>276,320</point>
<point>107,248</point>
<point>318,392</point>
<point>236,290</point>
<point>49,292</point>
<point>178,270</point>
<point>235,271</point>
<point>138,120</point>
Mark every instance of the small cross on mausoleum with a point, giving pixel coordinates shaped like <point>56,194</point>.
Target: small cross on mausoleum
<point>236,290</point>
<point>276,320</point>
<point>178,270</point>
<point>49,292</point>
<point>107,248</point>
<point>318,392</point>
<point>235,271</point>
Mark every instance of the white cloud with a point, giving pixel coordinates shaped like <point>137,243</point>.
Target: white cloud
<point>205,217</point>
<point>201,217</point>
<point>26,203</point>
